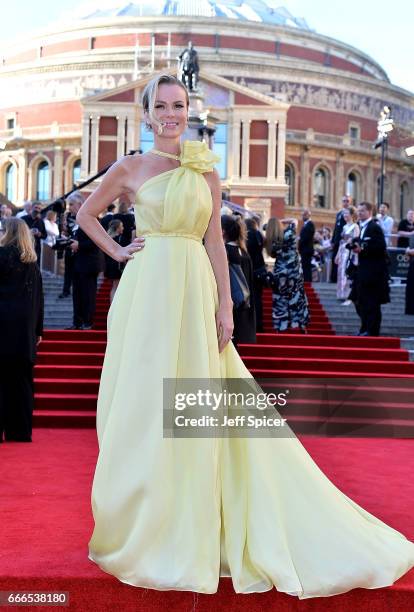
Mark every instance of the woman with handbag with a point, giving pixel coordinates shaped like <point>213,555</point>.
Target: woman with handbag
<point>241,279</point>
<point>289,303</point>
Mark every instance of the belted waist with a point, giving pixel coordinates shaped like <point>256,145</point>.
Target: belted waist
<point>172,234</point>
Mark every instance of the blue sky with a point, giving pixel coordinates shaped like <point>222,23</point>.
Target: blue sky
<point>381,29</point>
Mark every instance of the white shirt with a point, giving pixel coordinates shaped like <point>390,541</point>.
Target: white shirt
<point>52,230</point>
<point>363,225</point>
<point>387,223</point>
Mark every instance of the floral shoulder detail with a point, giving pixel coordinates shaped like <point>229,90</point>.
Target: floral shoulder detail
<point>197,156</point>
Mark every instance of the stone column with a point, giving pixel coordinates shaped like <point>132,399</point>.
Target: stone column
<point>281,152</point>
<point>85,147</point>
<point>339,180</point>
<point>57,188</point>
<point>120,136</point>
<point>271,150</point>
<point>234,154</point>
<point>133,133</point>
<point>245,149</point>
<point>94,144</point>
<point>304,179</point>
<point>21,176</point>
<point>370,186</point>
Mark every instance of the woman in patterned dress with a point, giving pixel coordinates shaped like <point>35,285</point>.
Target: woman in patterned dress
<point>289,303</point>
<point>349,231</point>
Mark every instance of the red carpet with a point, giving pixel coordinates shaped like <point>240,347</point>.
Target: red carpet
<point>46,516</point>
<point>69,365</point>
<point>47,523</point>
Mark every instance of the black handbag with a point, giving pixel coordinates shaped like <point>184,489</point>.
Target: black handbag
<point>240,292</point>
<point>264,276</point>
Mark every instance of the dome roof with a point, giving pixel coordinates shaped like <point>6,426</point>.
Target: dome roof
<point>264,11</point>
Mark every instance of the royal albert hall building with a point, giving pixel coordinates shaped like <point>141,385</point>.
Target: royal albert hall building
<point>295,113</point>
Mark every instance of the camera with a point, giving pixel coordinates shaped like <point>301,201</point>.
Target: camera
<point>61,245</point>
<point>355,243</point>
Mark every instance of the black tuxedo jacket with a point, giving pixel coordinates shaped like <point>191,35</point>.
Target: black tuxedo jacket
<point>88,257</point>
<point>306,236</point>
<point>372,274</point>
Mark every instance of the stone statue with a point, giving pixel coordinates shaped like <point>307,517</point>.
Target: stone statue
<point>188,67</point>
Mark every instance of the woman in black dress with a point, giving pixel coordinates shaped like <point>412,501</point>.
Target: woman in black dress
<point>289,303</point>
<point>21,328</point>
<point>255,246</point>
<point>114,269</point>
<point>234,236</point>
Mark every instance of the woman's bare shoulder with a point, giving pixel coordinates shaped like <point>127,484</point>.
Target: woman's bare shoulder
<point>130,167</point>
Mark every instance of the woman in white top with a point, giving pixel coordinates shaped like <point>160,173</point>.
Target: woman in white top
<point>52,228</point>
<point>349,231</point>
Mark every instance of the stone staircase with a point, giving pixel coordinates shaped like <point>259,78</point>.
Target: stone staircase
<point>345,321</point>
<point>58,313</point>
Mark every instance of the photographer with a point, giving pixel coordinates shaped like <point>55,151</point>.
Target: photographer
<point>69,223</point>
<point>370,285</point>
<point>86,267</point>
<point>37,227</point>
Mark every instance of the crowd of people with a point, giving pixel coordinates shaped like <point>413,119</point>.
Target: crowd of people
<point>274,255</point>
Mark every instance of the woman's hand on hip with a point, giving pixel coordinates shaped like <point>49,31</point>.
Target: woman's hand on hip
<point>124,254</point>
<point>225,326</point>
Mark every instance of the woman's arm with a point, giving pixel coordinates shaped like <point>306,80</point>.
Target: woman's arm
<point>214,245</point>
<point>114,184</point>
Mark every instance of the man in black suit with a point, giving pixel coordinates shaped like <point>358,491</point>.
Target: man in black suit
<point>336,236</point>
<point>86,267</point>
<point>306,245</point>
<point>370,287</point>
<point>37,227</point>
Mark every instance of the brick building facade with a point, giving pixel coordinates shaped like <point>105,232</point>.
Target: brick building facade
<point>297,111</point>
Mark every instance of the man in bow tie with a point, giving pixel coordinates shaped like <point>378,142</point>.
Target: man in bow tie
<point>370,287</point>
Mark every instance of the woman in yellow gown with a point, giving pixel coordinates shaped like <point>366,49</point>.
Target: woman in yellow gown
<point>179,513</point>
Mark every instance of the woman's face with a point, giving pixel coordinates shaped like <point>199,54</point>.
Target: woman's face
<point>347,216</point>
<point>170,109</point>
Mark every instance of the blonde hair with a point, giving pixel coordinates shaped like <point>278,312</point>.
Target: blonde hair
<point>150,94</point>
<point>18,234</point>
<point>274,234</point>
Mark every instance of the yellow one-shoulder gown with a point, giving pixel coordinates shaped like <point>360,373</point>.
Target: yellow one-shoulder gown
<point>173,513</point>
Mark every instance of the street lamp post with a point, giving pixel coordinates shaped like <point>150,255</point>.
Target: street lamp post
<point>385,125</point>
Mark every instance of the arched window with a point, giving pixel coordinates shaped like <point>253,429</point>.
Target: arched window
<point>290,182</point>
<point>321,188</point>
<point>404,199</point>
<point>10,182</point>
<point>42,182</point>
<point>76,170</point>
<point>353,187</point>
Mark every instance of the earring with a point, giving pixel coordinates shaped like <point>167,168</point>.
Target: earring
<point>159,129</point>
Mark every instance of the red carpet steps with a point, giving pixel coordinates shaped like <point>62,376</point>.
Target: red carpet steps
<point>69,364</point>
